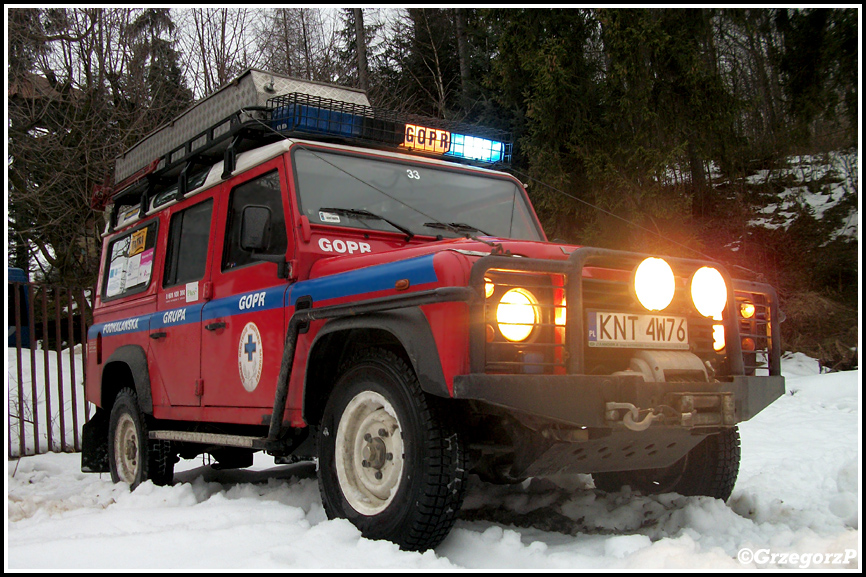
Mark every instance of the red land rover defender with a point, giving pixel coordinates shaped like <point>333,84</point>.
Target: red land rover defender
<point>286,269</point>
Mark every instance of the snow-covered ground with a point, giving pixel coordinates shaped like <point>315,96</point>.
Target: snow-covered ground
<point>797,496</point>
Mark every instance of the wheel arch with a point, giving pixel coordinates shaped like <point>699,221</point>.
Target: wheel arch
<point>406,332</point>
<point>127,367</point>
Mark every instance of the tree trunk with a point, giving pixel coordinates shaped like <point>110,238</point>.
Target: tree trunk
<point>306,46</point>
<point>699,181</point>
<point>287,45</point>
<point>463,54</point>
<point>361,49</point>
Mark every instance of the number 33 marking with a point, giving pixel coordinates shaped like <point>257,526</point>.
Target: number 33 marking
<point>413,174</point>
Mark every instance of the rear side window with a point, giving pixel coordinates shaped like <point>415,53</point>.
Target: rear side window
<point>261,191</point>
<point>188,236</point>
<point>130,262</point>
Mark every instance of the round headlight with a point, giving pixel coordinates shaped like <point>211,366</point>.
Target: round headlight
<point>709,292</point>
<point>517,314</point>
<point>654,284</point>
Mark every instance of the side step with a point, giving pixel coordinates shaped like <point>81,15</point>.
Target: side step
<point>210,439</point>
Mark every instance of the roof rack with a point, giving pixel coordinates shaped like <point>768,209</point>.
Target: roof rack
<point>313,117</point>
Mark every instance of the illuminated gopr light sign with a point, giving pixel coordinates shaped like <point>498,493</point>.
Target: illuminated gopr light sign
<point>436,141</point>
<point>426,139</point>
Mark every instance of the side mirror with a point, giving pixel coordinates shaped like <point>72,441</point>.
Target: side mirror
<point>255,228</point>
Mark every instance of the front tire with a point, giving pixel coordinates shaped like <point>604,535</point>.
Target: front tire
<point>388,462</point>
<point>132,457</point>
<point>710,469</point>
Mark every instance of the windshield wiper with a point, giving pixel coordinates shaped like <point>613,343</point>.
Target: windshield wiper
<point>458,227</point>
<point>360,213</point>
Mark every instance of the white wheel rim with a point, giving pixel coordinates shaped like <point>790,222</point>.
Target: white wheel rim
<point>126,449</point>
<point>369,463</point>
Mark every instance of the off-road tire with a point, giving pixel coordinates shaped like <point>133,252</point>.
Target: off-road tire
<point>142,458</point>
<point>428,491</point>
<point>710,469</point>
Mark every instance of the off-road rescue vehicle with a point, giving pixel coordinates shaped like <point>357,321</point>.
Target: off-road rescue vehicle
<point>287,269</point>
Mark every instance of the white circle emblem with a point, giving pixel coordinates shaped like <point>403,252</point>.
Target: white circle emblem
<point>250,357</point>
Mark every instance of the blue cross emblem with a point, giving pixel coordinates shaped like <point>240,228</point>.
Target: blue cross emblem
<point>250,348</point>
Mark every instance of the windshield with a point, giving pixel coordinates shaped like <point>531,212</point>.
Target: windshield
<point>411,195</point>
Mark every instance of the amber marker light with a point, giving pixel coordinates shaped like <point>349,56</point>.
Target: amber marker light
<point>654,284</point>
<point>747,310</point>
<point>559,315</point>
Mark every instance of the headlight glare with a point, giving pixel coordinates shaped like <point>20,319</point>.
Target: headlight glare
<point>709,292</point>
<point>517,314</point>
<point>654,284</point>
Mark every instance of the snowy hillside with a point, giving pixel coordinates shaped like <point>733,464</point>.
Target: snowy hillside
<point>818,185</point>
<point>797,493</point>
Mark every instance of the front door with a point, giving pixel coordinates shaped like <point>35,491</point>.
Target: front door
<point>243,327</point>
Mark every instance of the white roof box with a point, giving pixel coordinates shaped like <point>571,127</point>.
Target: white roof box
<point>251,88</point>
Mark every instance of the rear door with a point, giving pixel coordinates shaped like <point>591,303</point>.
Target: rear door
<point>175,331</point>
<point>243,326</point>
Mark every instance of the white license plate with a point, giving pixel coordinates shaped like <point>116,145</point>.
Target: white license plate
<point>637,331</point>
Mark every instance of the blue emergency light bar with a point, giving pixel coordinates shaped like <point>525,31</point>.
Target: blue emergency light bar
<point>474,148</point>
<point>317,117</point>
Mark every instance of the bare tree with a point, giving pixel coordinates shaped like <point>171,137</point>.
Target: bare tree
<point>420,46</point>
<point>219,45</point>
<point>299,42</point>
<point>83,87</point>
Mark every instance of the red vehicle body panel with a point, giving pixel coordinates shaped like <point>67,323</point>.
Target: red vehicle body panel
<point>338,264</point>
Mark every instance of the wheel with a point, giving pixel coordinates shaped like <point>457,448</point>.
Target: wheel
<point>710,469</point>
<point>387,461</point>
<point>132,457</point>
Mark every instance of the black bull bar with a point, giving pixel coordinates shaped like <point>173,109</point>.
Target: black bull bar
<point>578,399</point>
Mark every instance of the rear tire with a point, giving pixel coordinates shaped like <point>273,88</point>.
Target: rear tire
<point>388,462</point>
<point>132,457</point>
<point>710,469</point>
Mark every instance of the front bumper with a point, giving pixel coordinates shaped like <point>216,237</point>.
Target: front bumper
<point>588,400</point>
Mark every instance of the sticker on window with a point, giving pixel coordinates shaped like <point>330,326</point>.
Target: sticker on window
<point>137,241</point>
<point>329,217</point>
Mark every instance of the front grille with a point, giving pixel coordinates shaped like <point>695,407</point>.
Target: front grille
<point>559,343</point>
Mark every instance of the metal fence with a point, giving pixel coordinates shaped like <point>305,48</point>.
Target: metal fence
<point>47,359</point>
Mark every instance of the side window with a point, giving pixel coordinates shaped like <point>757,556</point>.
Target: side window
<point>188,236</point>
<point>130,262</point>
<point>261,191</point>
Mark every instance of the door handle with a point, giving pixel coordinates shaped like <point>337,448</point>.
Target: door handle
<point>215,326</point>
<point>156,336</point>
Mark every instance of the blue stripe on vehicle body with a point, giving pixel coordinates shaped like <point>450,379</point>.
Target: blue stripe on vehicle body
<point>374,278</point>
<point>176,317</point>
<point>231,306</point>
<point>120,327</point>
